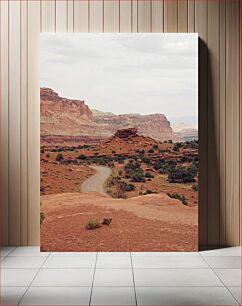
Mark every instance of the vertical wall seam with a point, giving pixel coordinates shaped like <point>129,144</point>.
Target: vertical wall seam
<point>27,115</point>
<point>8,124</point>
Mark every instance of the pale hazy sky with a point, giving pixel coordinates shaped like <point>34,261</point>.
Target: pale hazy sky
<point>124,73</point>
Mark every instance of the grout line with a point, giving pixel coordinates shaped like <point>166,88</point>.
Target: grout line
<point>135,295</point>
<point>220,280</point>
<point>33,279</point>
<point>90,299</point>
<point>233,294</point>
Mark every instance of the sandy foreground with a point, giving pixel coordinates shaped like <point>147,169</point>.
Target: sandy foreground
<point>150,223</point>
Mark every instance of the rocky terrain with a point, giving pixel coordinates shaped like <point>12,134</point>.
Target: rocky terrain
<point>66,121</point>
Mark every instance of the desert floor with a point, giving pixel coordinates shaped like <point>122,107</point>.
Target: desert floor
<point>144,223</point>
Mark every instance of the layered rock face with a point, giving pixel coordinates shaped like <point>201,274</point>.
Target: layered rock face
<point>155,125</point>
<point>66,121</point>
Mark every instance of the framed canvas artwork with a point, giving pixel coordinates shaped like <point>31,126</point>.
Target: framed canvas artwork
<point>119,142</point>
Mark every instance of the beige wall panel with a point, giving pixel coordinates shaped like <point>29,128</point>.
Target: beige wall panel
<point>4,122</point>
<point>134,16</point>
<point>191,16</point>
<point>96,16</point>
<point>48,16</point>
<point>201,28</point>
<point>70,15</point>
<point>125,16</point>
<point>24,123</point>
<point>213,214</point>
<point>157,16</point>
<point>232,122</point>
<point>61,15</point>
<point>81,16</point>
<point>14,122</point>
<point>182,16</point>
<point>144,16</point>
<point>171,15</point>
<point>33,123</point>
<point>222,120</point>
<point>111,16</point>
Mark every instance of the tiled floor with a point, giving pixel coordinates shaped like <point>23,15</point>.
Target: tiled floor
<point>29,277</point>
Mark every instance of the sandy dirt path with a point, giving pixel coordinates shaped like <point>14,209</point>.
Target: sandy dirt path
<point>96,182</point>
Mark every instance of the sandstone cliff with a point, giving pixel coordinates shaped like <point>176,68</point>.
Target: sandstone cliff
<point>69,121</point>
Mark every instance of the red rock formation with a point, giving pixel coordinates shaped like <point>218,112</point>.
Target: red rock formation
<point>67,119</point>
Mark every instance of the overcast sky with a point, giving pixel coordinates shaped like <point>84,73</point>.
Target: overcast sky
<point>124,73</point>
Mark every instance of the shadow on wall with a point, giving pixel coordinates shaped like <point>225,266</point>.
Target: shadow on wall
<point>209,170</point>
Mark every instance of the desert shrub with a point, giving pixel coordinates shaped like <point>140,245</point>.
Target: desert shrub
<point>120,172</point>
<point>176,147</point>
<point>42,188</point>
<point>155,147</point>
<point>82,157</point>
<point>195,187</point>
<point>48,155</point>
<point>113,151</point>
<point>147,160</point>
<point>42,217</point>
<point>141,152</point>
<point>162,170</point>
<point>178,196</point>
<point>149,192</point>
<point>59,157</point>
<point>96,153</point>
<point>180,175</point>
<point>170,141</point>
<point>151,151</point>
<point>149,175</point>
<point>92,224</point>
<point>107,221</point>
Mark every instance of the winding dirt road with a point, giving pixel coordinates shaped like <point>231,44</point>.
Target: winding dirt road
<point>96,181</point>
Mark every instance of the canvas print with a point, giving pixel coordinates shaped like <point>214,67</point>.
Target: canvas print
<point>119,142</point>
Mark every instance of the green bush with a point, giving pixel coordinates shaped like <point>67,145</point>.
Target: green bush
<point>149,192</point>
<point>93,224</point>
<point>149,175</point>
<point>151,151</point>
<point>181,175</point>
<point>42,217</point>
<point>195,187</point>
<point>155,147</point>
<point>59,157</point>
<point>178,196</point>
<point>82,157</point>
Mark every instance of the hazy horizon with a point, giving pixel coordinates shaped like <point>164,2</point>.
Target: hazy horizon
<point>125,68</point>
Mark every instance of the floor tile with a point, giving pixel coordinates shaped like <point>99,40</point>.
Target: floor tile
<point>113,296</point>
<point>236,292</point>
<point>74,254</point>
<point>4,251</point>
<point>175,277</point>
<point>23,262</point>
<point>114,254</point>
<point>113,277</point>
<point>75,262</point>
<point>230,277</point>
<point>166,254</point>
<point>64,277</point>
<point>219,262</point>
<point>11,295</point>
<point>231,251</point>
<point>57,296</point>
<point>17,277</point>
<point>107,262</point>
<point>28,251</point>
<point>169,262</point>
<point>184,296</point>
